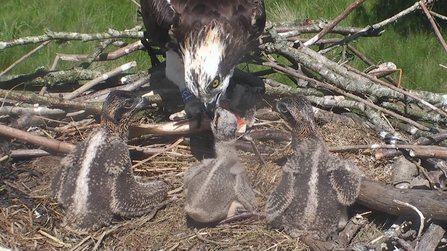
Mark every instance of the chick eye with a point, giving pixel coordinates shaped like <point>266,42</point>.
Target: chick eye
<point>215,83</point>
<point>282,108</point>
<point>128,104</point>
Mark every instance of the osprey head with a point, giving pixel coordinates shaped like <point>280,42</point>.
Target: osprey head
<point>208,63</point>
<point>212,36</point>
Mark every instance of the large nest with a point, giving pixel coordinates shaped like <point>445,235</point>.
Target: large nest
<point>31,218</point>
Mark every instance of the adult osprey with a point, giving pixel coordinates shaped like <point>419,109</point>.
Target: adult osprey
<point>204,40</point>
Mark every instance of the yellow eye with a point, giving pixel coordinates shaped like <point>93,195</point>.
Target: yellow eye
<point>216,83</point>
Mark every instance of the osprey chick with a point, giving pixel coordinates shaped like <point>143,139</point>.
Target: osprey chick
<point>204,40</point>
<point>96,181</point>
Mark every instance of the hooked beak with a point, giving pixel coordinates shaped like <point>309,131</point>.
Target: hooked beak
<point>210,107</point>
<point>144,103</point>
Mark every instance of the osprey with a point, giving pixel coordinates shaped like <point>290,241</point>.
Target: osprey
<point>204,40</point>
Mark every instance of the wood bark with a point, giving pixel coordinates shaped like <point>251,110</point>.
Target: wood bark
<point>432,203</point>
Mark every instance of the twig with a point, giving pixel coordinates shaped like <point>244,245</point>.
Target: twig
<point>135,2</point>
<point>51,35</point>
<point>105,56</point>
<point>380,25</point>
<point>421,215</point>
<point>255,149</point>
<point>100,96</point>
<point>338,90</point>
<point>3,158</point>
<point>437,150</point>
<point>51,102</point>
<point>172,128</point>
<point>27,55</point>
<point>433,24</point>
<point>438,15</point>
<point>209,241</point>
<point>155,155</point>
<point>49,236</point>
<point>404,244</point>
<point>334,22</point>
<point>431,238</point>
<point>316,26</point>
<point>397,89</point>
<point>98,50</point>
<point>368,62</point>
<point>28,153</point>
<point>52,144</point>
<point>428,153</point>
<point>43,77</point>
<point>338,75</point>
<point>97,80</point>
<point>42,111</point>
<point>13,185</point>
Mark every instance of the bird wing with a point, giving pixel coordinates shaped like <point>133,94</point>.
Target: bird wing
<point>129,197</point>
<point>281,197</point>
<point>64,182</point>
<point>157,17</point>
<point>345,178</point>
<point>258,19</point>
<point>244,193</point>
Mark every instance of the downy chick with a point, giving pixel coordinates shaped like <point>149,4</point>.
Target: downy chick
<point>315,188</point>
<point>96,181</point>
<point>218,188</point>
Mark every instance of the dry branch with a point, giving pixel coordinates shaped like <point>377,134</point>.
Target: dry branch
<point>52,144</point>
<point>433,204</point>
<point>338,90</point>
<point>97,80</point>
<point>84,37</point>
<point>433,24</point>
<point>44,77</point>
<point>123,51</point>
<point>431,238</point>
<point>50,101</point>
<point>27,55</point>
<point>334,22</point>
<point>340,76</point>
<point>314,27</point>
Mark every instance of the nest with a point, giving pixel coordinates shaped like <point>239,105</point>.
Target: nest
<point>31,218</point>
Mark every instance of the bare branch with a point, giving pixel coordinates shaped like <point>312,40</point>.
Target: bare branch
<point>334,22</point>
<point>27,55</point>
<point>97,80</point>
<point>84,37</point>
<point>433,24</point>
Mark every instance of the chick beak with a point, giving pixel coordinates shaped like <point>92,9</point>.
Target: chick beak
<point>144,103</point>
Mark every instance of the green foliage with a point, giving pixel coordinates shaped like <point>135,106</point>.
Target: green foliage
<point>19,18</point>
<point>410,42</point>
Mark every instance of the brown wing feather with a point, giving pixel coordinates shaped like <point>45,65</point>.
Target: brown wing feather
<point>258,19</point>
<point>157,17</point>
<point>245,16</point>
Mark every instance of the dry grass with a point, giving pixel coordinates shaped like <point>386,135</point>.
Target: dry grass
<point>30,219</point>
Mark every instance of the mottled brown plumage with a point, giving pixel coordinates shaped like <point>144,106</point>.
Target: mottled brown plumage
<point>218,188</point>
<point>315,187</point>
<point>96,181</point>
